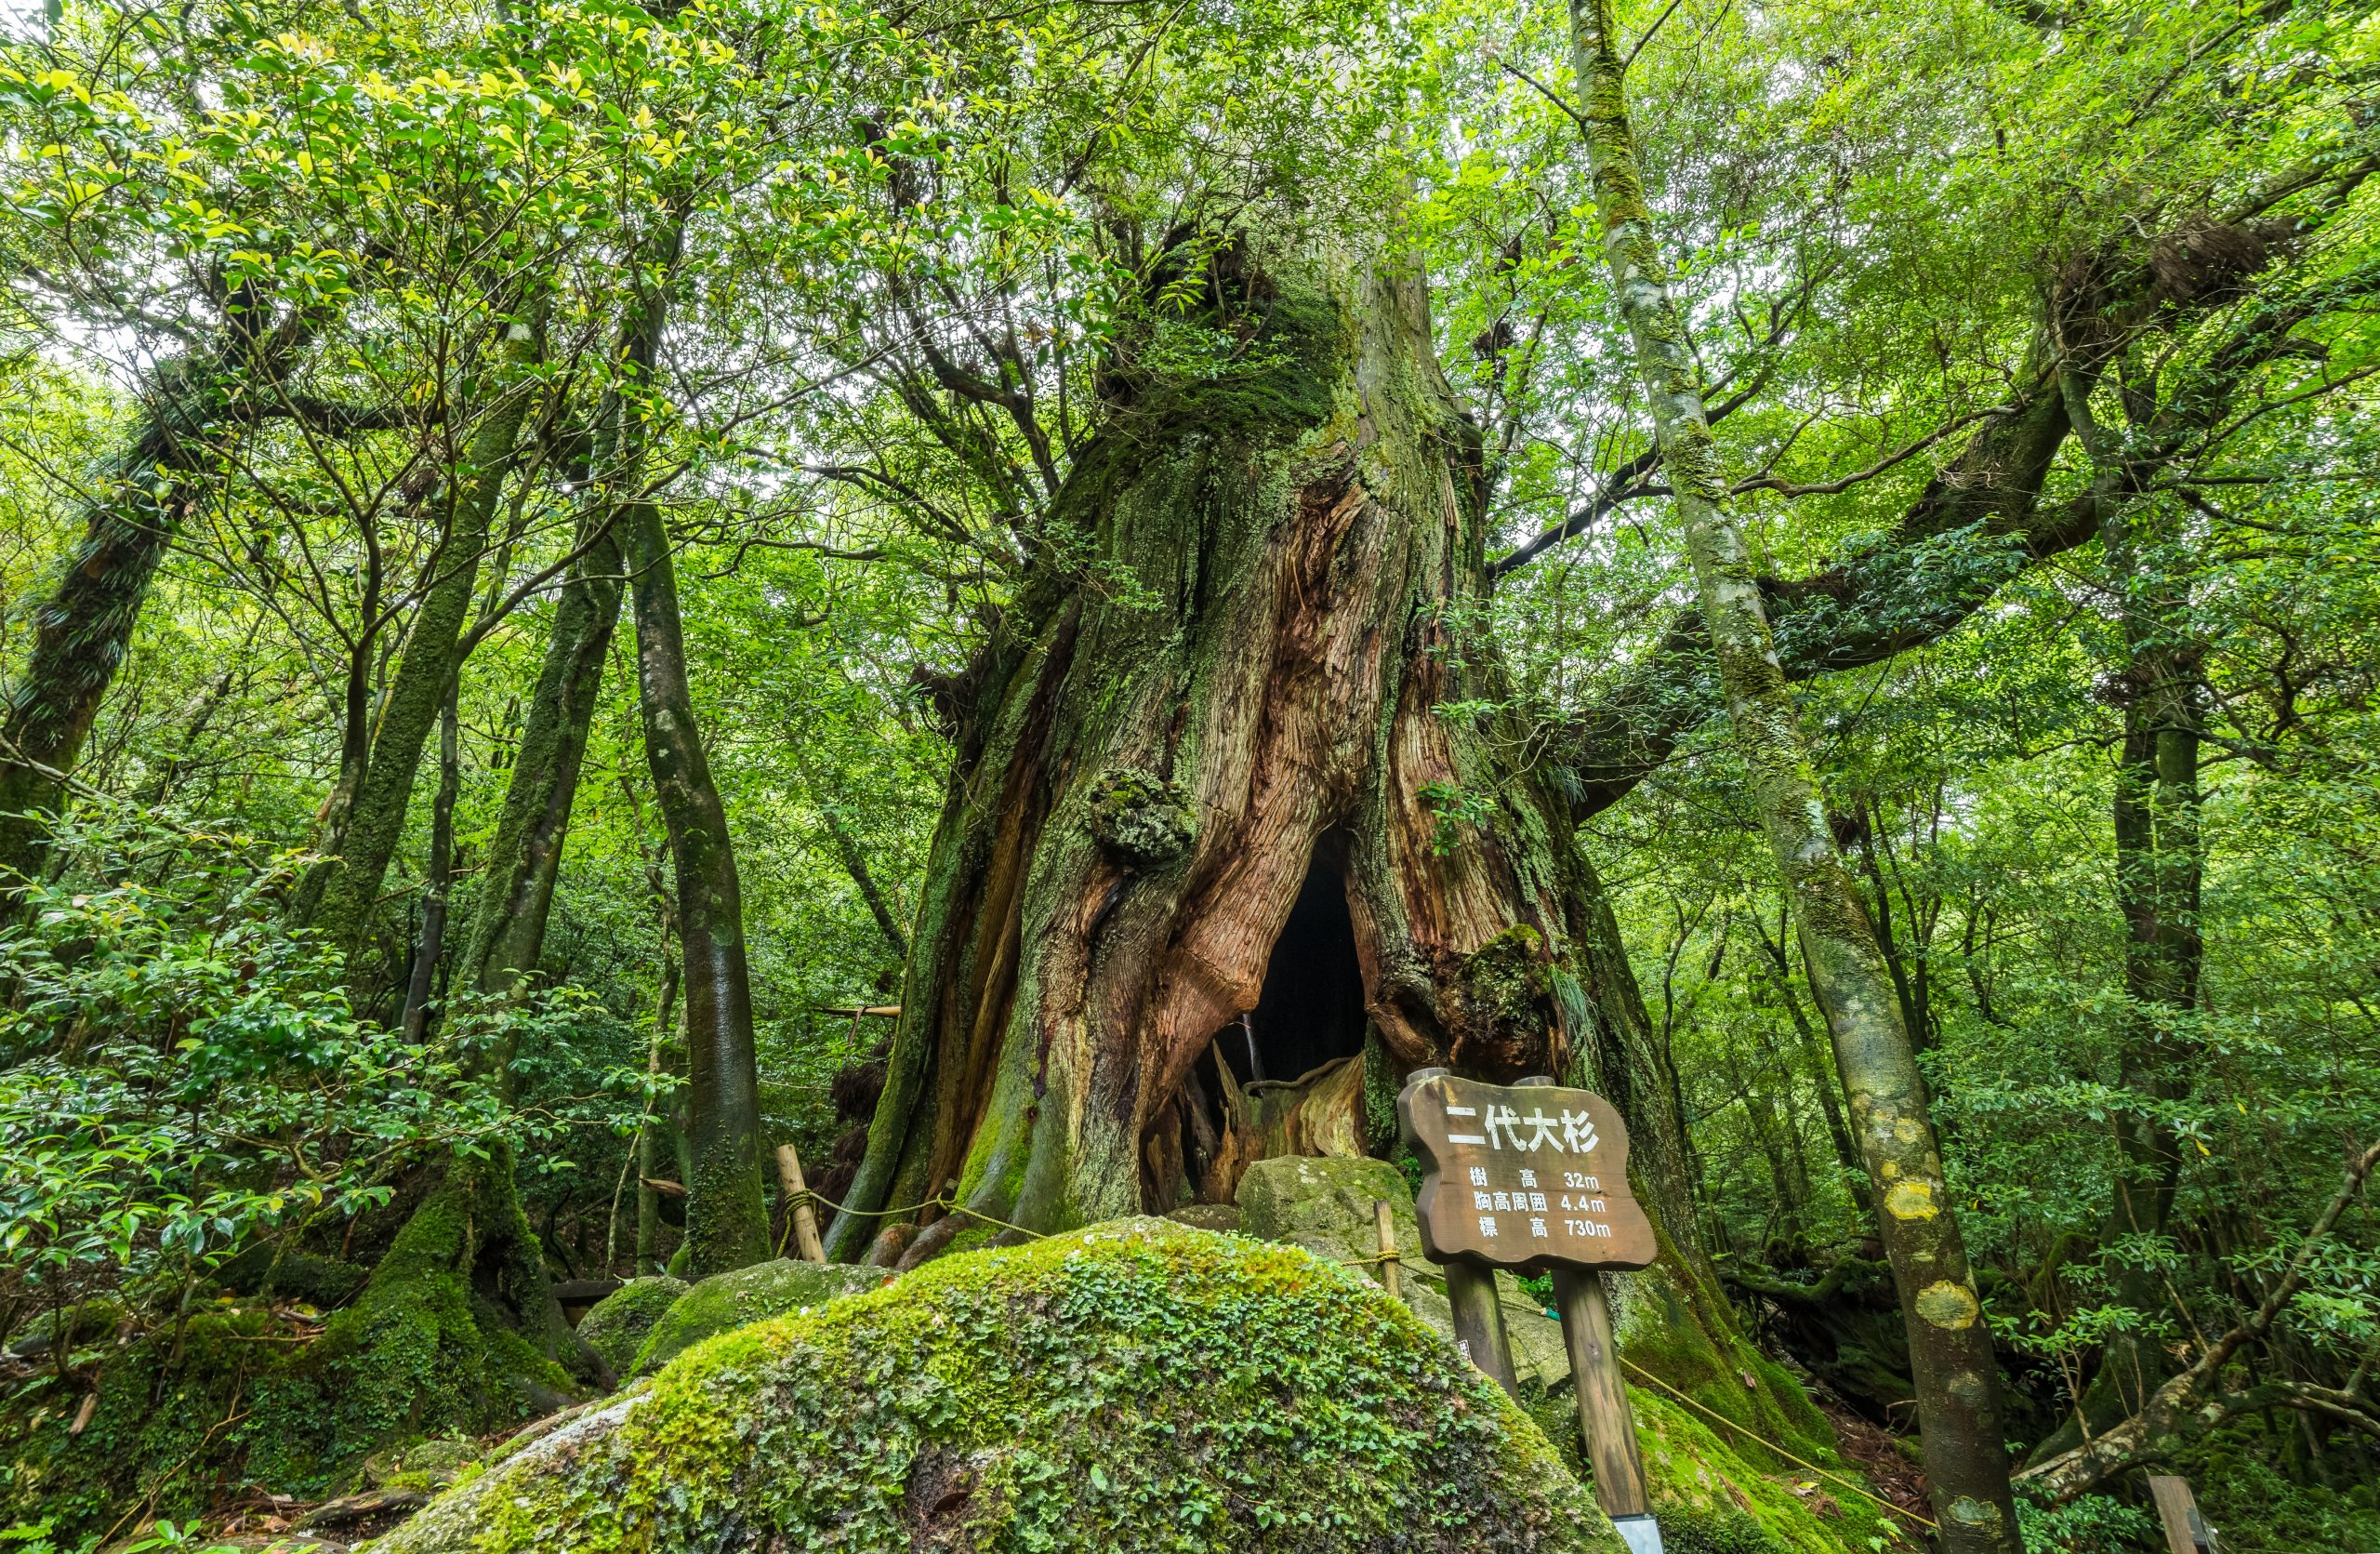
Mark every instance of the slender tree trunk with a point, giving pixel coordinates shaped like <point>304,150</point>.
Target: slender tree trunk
<point>1958,1383</point>
<point>339,895</point>
<point>441,873</point>
<point>524,860</point>
<point>855,865</point>
<point>727,1221</point>
<point>727,1218</point>
<point>2159,864</point>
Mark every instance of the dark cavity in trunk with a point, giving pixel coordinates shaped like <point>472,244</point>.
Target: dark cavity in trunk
<point>1312,1008</point>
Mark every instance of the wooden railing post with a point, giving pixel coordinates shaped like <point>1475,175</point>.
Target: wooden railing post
<point>1479,1322</point>
<point>797,1192</point>
<point>2186,1531</point>
<point>1384,1232</point>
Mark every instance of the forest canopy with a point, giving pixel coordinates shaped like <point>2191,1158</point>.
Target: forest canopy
<point>1039,602</point>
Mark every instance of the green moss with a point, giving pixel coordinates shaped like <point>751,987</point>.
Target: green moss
<point>1138,1385</point>
<point>1503,996</point>
<point>1710,1497</point>
<point>1139,817</point>
<point>617,1327</point>
<point>1660,1333</point>
<point>239,1399</point>
<point>726,1301</point>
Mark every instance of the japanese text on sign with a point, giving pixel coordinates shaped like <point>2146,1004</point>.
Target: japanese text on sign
<point>1522,1176</point>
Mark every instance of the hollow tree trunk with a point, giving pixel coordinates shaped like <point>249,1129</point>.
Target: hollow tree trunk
<point>1145,777</point>
<point>1957,1381</point>
<point>1142,784</point>
<point>339,895</point>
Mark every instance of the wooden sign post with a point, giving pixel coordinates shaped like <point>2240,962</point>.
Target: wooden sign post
<point>1532,1176</point>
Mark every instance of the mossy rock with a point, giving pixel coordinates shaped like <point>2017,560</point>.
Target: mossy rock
<point>1206,1217</point>
<point>1325,1205</point>
<point>292,1274</point>
<point>616,1325</point>
<point>432,1463</point>
<point>1136,1386</point>
<point>726,1301</point>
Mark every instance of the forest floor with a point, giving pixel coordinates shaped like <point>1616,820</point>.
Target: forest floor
<point>1877,1452</point>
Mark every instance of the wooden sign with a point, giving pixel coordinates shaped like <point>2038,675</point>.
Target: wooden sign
<point>1524,1176</point>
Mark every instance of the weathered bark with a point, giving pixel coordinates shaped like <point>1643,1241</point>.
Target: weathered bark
<point>1958,1382</point>
<point>82,632</point>
<point>525,859</point>
<point>338,896</point>
<point>1147,781</point>
<point>1140,792</point>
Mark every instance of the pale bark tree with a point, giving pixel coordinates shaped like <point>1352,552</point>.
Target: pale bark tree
<point>1951,1355</point>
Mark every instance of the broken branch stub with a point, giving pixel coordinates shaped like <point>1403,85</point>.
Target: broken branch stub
<point>1523,1177</point>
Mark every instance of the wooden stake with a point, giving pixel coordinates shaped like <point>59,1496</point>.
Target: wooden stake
<point>2177,1510</point>
<point>1479,1321</point>
<point>1384,1230</point>
<point>797,1192</point>
<point>1603,1396</point>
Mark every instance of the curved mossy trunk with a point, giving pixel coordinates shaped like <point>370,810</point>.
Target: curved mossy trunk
<point>525,859</point>
<point>727,1218</point>
<point>83,629</point>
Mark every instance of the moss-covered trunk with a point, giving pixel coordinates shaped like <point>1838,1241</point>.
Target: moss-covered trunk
<point>1224,672</point>
<point>83,631</point>
<point>1226,669</point>
<point>525,859</point>
<point>339,895</point>
<point>1951,1360</point>
<point>727,1219</point>
<point>2159,867</point>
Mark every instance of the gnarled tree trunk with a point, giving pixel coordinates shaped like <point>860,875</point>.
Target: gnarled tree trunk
<point>1150,773</point>
<point>1202,774</point>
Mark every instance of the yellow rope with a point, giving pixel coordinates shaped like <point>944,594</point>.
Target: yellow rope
<point>944,1205</point>
<point>1780,1451</point>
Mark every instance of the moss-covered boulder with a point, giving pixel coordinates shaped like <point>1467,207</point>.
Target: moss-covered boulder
<point>726,1301</point>
<point>1325,1205</point>
<point>616,1325</point>
<point>1137,1386</point>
